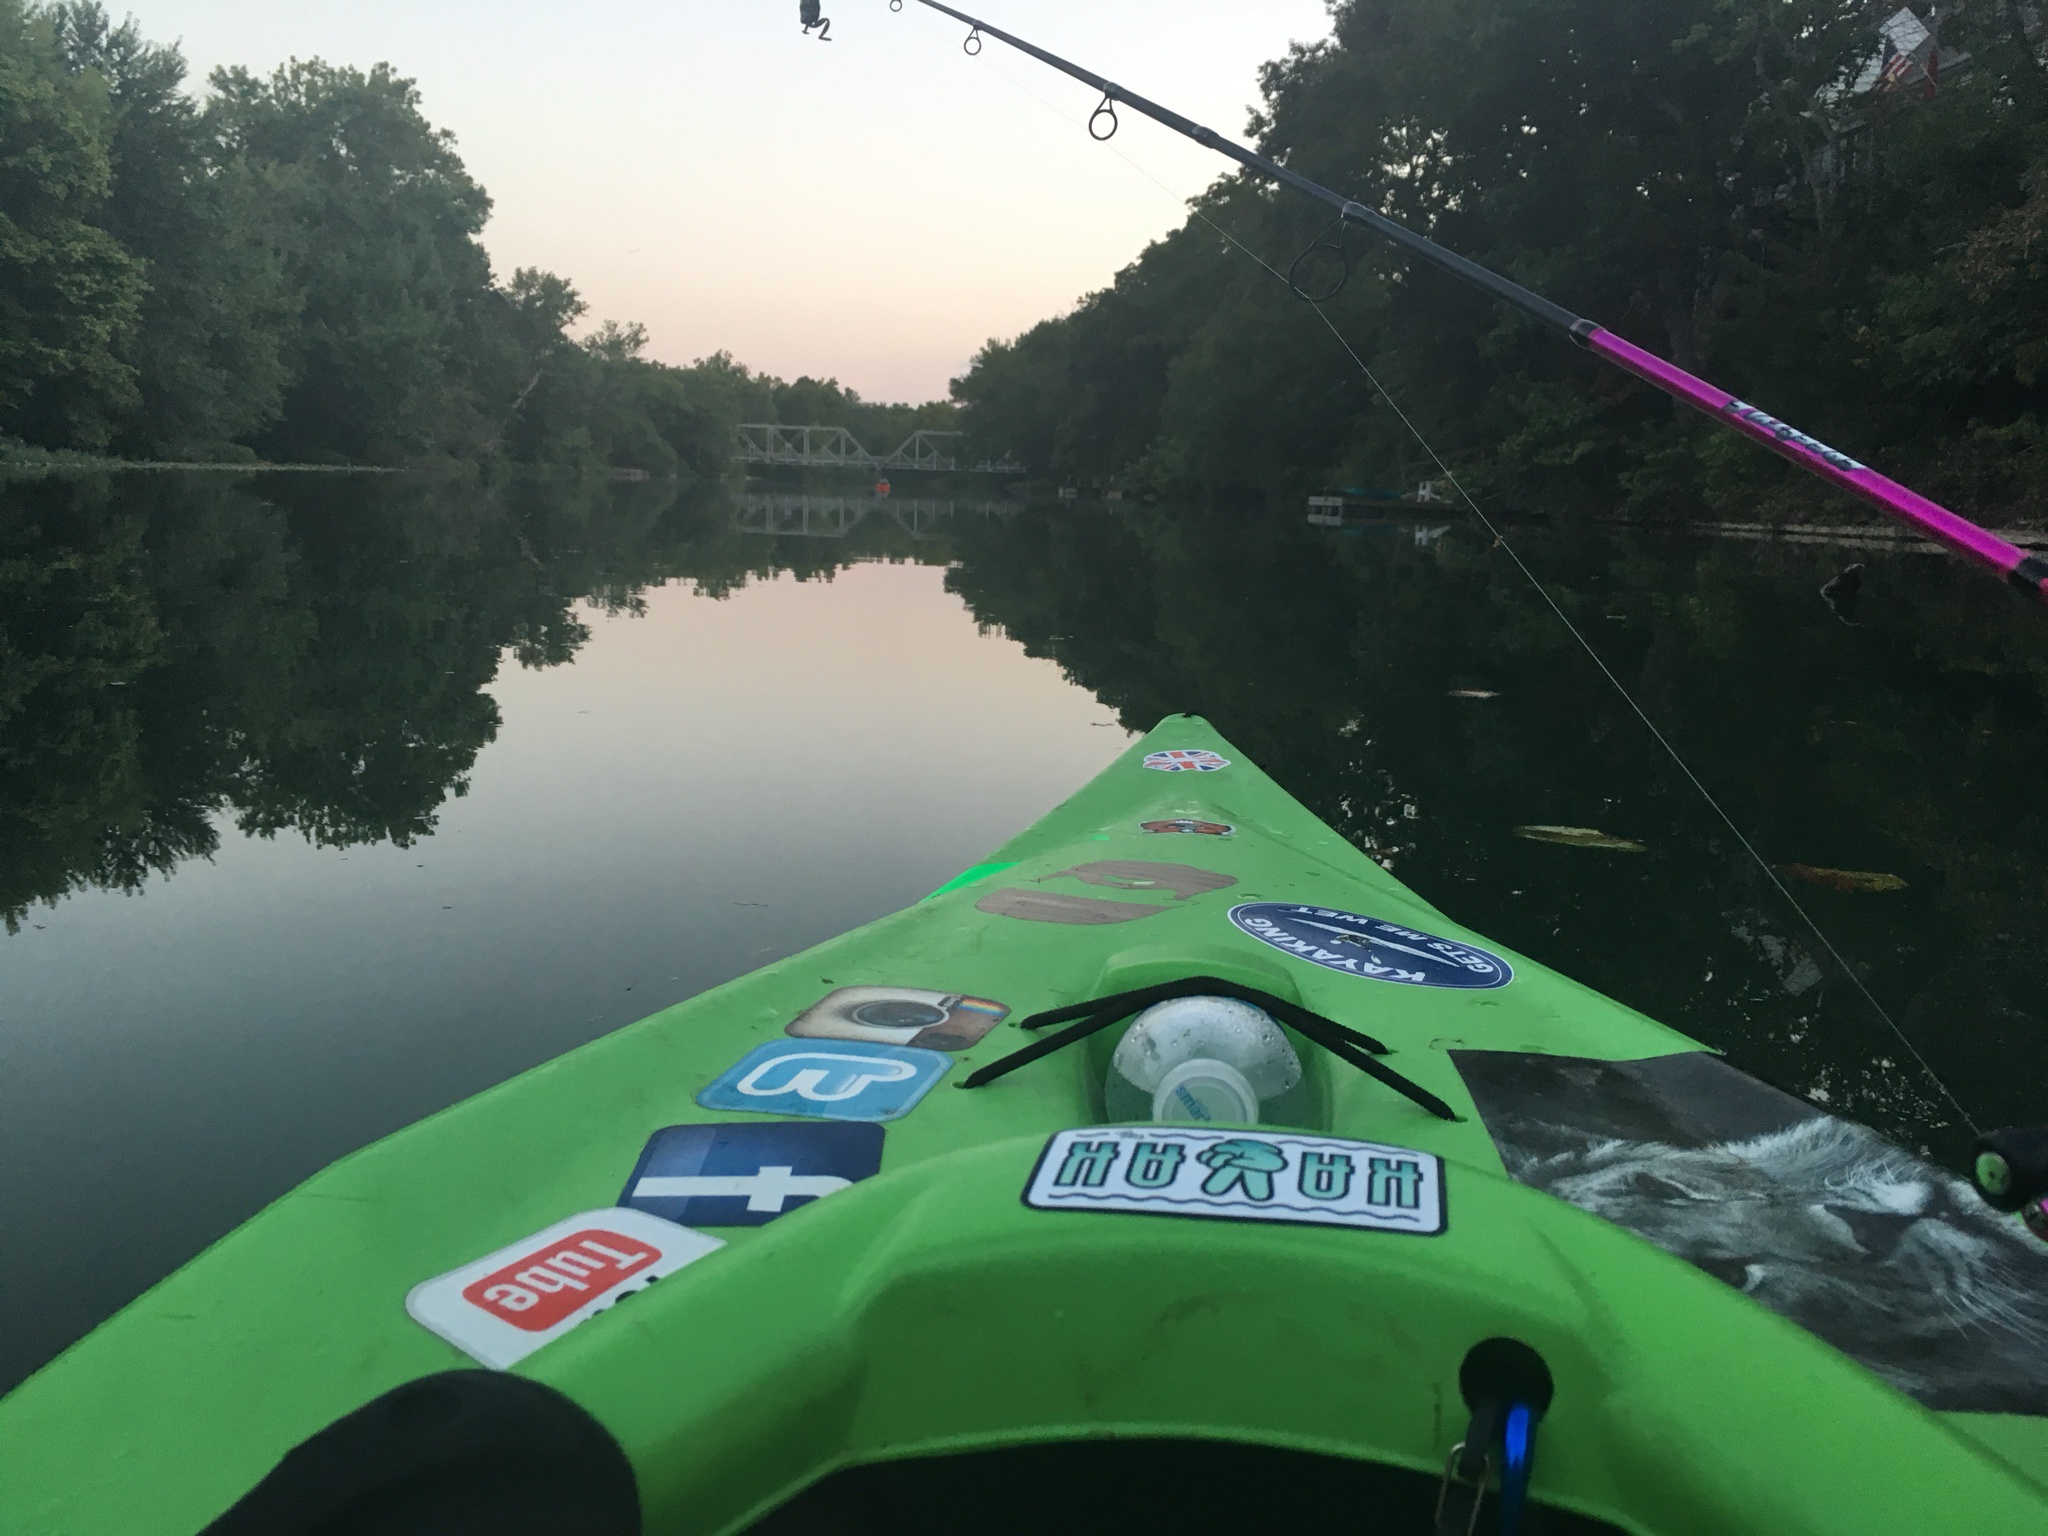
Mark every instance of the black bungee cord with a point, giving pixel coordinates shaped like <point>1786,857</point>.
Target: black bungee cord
<point>1346,1044</point>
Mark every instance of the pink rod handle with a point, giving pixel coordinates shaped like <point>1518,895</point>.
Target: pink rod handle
<point>2027,572</point>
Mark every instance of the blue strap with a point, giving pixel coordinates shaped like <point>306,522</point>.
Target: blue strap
<point>1518,1450</point>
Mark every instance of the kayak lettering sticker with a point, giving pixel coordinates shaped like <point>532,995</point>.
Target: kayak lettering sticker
<point>1057,907</point>
<point>1317,1181</point>
<point>504,1306</point>
<point>1191,825</point>
<point>1371,946</point>
<point>1198,760</point>
<point>1184,880</point>
<point>747,1175</point>
<point>932,1021</point>
<point>847,1080</point>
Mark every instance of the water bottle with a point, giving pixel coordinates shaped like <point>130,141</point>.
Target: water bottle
<point>1198,1060</point>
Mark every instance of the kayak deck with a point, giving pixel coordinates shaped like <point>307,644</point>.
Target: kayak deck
<point>928,1308</point>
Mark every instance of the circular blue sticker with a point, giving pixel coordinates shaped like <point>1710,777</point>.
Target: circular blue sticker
<point>1370,946</point>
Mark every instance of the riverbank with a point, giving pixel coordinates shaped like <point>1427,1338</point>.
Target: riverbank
<point>38,462</point>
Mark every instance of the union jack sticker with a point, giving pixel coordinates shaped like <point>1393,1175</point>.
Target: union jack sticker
<point>1180,760</point>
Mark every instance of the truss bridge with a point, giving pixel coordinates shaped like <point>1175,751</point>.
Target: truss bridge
<point>764,442</point>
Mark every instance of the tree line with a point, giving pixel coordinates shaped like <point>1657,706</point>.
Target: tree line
<point>1749,187</point>
<point>288,268</point>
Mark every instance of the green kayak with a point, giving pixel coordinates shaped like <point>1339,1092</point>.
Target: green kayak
<point>1303,1208</point>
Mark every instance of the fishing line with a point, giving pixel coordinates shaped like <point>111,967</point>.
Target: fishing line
<point>1770,874</point>
<point>1607,672</point>
<point>1650,725</point>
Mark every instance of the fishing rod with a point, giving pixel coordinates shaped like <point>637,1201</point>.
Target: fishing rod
<point>2028,572</point>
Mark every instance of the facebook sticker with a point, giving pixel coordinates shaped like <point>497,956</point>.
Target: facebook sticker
<point>828,1080</point>
<point>747,1175</point>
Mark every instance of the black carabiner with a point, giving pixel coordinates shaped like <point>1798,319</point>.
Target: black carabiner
<point>1106,109</point>
<point>1463,1489</point>
<point>1508,1388</point>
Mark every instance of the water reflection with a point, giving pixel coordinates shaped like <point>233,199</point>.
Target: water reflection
<point>1359,522</point>
<point>312,656</point>
<point>834,517</point>
<point>1415,692</point>
<point>508,856</point>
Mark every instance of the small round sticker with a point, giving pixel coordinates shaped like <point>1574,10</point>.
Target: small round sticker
<point>1190,824</point>
<point>1371,946</point>
<point>1179,760</point>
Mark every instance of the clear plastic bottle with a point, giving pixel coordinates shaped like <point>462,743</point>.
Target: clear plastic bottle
<point>1195,1060</point>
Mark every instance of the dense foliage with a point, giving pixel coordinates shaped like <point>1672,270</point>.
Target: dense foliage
<point>1703,176</point>
<point>290,269</point>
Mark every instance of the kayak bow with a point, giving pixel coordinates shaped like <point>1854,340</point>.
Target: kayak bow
<point>1664,1297</point>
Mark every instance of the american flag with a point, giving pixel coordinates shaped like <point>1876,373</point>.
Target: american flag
<point>1897,65</point>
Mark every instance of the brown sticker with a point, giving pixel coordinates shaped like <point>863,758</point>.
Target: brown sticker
<point>1190,824</point>
<point>932,1021</point>
<point>1051,907</point>
<point>1184,880</point>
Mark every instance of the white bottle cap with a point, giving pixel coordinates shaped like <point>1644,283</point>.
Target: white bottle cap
<point>1205,1090</point>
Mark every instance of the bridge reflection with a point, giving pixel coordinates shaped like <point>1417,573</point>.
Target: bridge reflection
<point>834,517</point>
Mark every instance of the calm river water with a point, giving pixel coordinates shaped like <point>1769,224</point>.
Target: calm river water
<point>326,802</point>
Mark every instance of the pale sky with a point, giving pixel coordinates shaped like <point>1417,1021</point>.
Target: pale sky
<point>872,209</point>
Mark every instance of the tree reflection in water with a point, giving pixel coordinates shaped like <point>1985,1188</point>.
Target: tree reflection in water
<point>1907,744</point>
<point>311,654</point>
<point>297,653</point>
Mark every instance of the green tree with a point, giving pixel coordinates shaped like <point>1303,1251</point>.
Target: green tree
<point>292,268</point>
<point>208,348</point>
<point>1718,180</point>
<point>382,225</point>
<point>69,295</point>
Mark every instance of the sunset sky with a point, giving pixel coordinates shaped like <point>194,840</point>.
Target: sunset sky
<point>872,208</point>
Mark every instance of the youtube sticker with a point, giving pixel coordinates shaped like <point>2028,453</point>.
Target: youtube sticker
<point>506,1305</point>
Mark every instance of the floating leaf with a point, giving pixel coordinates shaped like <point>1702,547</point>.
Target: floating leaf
<point>1582,837</point>
<point>1473,693</point>
<point>1850,880</point>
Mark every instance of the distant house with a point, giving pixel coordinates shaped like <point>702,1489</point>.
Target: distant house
<point>1910,59</point>
<point>1906,64</point>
